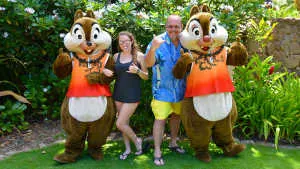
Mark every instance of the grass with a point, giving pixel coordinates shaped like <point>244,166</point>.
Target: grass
<point>254,157</point>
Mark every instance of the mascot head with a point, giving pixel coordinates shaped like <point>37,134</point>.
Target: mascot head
<point>86,36</point>
<point>202,32</point>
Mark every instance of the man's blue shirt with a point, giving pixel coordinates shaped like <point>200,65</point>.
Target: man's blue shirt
<point>165,87</point>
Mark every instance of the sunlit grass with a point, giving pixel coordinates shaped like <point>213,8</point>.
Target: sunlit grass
<point>254,157</point>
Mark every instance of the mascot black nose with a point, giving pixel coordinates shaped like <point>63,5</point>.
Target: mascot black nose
<point>89,43</point>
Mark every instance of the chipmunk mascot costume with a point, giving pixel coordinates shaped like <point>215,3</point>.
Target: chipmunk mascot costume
<point>88,111</point>
<point>208,109</point>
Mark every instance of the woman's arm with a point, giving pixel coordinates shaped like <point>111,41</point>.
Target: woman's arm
<point>143,72</point>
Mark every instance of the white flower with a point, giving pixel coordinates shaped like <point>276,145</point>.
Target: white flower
<point>5,34</point>
<point>193,2</point>
<point>123,1</point>
<point>54,12</point>
<point>11,0</point>
<point>111,6</point>
<point>179,8</point>
<point>99,13</point>
<point>29,10</point>
<point>62,35</point>
<point>54,16</point>
<point>226,8</point>
<point>45,90</point>
<point>2,8</point>
<point>142,15</point>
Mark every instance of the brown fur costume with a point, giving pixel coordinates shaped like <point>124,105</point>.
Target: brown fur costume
<point>201,36</point>
<point>85,39</point>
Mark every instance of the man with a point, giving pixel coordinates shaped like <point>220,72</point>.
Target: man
<point>162,54</point>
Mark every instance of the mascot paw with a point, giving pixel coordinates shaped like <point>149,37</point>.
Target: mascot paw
<point>62,66</point>
<point>205,157</point>
<point>237,54</point>
<point>236,149</point>
<point>63,57</point>
<point>93,77</point>
<point>186,58</point>
<point>64,158</point>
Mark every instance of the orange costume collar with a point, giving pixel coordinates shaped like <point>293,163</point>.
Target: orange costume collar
<point>209,75</point>
<point>79,86</point>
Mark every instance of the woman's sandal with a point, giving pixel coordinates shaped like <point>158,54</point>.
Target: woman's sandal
<point>177,149</point>
<point>139,152</point>
<point>140,149</point>
<point>124,155</point>
<point>159,161</point>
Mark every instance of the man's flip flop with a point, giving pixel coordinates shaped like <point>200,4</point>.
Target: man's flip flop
<point>124,156</point>
<point>159,161</point>
<point>177,149</point>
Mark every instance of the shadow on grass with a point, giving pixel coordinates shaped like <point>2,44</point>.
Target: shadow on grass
<point>254,157</point>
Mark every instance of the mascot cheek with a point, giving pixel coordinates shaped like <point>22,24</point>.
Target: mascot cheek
<point>71,43</point>
<point>188,40</point>
<point>220,38</point>
<point>104,40</point>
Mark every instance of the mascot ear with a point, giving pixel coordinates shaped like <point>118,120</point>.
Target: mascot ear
<point>195,9</point>
<point>78,14</point>
<point>204,8</point>
<point>90,14</point>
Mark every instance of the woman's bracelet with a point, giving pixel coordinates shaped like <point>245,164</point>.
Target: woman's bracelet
<point>138,71</point>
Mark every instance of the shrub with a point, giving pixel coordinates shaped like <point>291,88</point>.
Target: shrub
<point>31,30</point>
<point>267,101</point>
<point>12,117</point>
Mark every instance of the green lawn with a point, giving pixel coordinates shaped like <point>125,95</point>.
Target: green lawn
<point>254,157</point>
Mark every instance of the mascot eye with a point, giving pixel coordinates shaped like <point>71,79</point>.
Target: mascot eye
<point>78,32</point>
<point>214,29</point>
<point>96,31</point>
<point>196,32</point>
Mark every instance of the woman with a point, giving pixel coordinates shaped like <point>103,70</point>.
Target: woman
<point>129,69</point>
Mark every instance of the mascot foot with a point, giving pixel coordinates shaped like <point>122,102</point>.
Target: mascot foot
<point>204,156</point>
<point>64,158</point>
<point>96,155</point>
<point>236,149</point>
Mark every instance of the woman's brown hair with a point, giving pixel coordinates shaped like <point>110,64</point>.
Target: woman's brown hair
<point>134,46</point>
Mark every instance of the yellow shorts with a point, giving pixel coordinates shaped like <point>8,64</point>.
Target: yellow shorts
<point>162,110</point>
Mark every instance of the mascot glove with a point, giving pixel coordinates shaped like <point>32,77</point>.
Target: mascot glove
<point>186,57</point>
<point>94,77</point>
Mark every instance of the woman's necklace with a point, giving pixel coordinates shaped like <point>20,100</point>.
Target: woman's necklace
<point>127,58</point>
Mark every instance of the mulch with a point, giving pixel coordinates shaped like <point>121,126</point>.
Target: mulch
<point>38,135</point>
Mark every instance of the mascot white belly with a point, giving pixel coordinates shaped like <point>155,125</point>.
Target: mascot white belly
<point>87,109</point>
<point>213,107</point>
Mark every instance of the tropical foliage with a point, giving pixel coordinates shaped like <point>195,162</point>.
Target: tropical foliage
<point>267,101</point>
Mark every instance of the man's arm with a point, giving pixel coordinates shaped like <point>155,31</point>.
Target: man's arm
<point>150,56</point>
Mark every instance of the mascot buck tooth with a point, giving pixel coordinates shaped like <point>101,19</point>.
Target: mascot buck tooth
<point>87,112</point>
<point>208,109</point>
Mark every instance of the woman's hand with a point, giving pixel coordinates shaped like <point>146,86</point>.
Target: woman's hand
<point>133,69</point>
